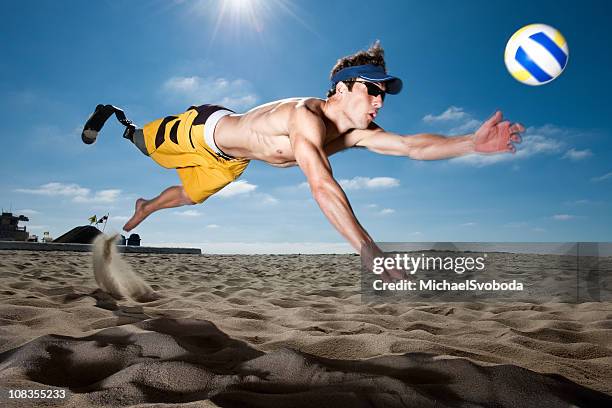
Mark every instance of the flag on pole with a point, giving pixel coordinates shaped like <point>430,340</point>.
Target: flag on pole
<point>104,220</point>
<point>101,220</point>
<point>93,220</point>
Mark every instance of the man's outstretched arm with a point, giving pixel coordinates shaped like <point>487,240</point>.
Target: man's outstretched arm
<point>307,138</point>
<point>494,136</point>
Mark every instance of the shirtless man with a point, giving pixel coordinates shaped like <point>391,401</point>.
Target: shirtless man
<point>210,146</point>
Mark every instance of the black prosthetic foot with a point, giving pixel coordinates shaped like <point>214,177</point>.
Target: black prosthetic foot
<point>99,117</point>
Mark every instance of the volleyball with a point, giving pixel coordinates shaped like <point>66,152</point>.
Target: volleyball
<point>536,54</point>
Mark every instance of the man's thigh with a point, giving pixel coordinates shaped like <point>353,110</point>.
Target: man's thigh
<point>201,182</point>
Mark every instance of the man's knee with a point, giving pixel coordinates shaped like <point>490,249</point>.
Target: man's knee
<point>139,141</point>
<point>186,200</point>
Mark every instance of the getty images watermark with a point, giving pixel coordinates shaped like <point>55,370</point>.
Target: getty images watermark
<point>413,264</point>
<point>529,272</point>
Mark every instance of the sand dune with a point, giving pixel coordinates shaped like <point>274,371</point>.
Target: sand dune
<point>285,331</point>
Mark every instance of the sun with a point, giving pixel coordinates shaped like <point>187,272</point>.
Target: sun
<point>245,18</point>
<point>239,5</point>
<point>245,14</point>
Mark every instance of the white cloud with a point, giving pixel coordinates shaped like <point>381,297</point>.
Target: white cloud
<point>578,202</point>
<point>453,121</point>
<point>182,84</point>
<point>236,188</point>
<point>535,143</point>
<point>118,218</point>
<point>77,193</point>
<point>602,178</point>
<point>189,213</point>
<point>362,183</point>
<point>575,155</point>
<point>453,113</point>
<point>469,126</point>
<point>552,131</point>
<point>56,189</point>
<point>102,196</point>
<point>233,93</point>
<point>266,199</point>
<point>378,211</point>
<point>516,224</point>
<point>359,183</point>
<point>212,226</point>
<point>468,224</point>
<point>562,217</point>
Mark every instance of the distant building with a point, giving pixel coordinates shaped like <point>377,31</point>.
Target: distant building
<point>9,229</point>
<point>134,240</point>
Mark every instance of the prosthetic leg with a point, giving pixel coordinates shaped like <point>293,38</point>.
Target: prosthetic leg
<point>97,119</point>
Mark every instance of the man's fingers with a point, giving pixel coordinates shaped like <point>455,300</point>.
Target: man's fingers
<point>517,128</point>
<point>392,275</point>
<point>387,278</point>
<point>511,148</point>
<point>504,125</point>
<point>495,119</point>
<point>396,275</point>
<point>515,138</point>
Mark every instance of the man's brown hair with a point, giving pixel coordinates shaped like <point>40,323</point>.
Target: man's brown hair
<point>375,55</point>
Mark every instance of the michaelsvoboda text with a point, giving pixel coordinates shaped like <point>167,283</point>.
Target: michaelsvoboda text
<point>444,285</point>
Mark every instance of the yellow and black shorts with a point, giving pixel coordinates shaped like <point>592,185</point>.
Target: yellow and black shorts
<point>178,142</point>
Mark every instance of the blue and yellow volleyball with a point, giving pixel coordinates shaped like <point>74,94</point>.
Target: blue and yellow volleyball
<point>536,54</point>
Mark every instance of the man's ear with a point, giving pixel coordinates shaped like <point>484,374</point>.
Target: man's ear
<point>341,88</point>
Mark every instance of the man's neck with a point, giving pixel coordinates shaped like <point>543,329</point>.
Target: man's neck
<point>337,117</point>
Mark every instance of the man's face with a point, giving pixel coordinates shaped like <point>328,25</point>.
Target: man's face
<point>364,101</point>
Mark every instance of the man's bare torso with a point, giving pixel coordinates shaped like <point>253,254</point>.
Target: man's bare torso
<point>263,132</point>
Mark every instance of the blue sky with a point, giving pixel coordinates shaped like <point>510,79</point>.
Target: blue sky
<point>154,58</point>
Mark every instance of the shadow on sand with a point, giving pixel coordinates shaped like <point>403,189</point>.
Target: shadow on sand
<point>176,361</point>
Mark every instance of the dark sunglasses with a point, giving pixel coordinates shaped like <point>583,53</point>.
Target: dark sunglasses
<point>373,89</point>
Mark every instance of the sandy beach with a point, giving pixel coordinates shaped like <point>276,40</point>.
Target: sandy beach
<point>284,331</point>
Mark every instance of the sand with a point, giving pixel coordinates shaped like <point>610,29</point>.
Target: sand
<point>284,331</point>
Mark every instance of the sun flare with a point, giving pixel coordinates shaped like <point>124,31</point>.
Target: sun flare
<point>247,14</point>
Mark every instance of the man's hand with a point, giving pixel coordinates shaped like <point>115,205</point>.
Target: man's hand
<point>497,136</point>
<point>369,252</point>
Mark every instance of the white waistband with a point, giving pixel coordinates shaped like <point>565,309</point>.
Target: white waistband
<point>209,130</point>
